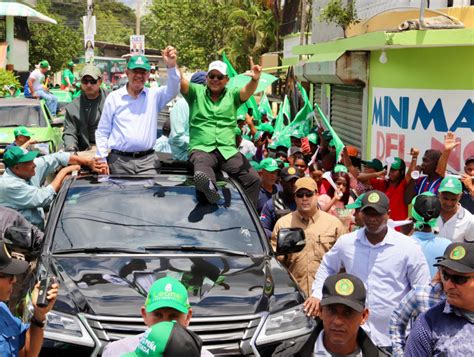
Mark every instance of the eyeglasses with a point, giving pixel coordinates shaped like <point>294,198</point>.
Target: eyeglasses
<point>307,194</point>
<point>455,279</point>
<point>86,81</point>
<point>218,76</point>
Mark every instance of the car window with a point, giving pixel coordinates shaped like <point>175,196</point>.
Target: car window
<point>30,116</point>
<point>140,215</point>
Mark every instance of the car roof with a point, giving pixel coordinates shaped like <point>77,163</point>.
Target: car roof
<point>26,102</point>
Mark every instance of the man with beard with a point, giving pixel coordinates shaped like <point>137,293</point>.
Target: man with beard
<point>388,262</point>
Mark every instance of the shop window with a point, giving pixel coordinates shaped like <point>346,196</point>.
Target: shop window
<point>22,32</point>
<point>3,29</point>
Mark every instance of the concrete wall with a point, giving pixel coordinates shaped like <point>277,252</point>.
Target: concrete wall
<point>20,55</point>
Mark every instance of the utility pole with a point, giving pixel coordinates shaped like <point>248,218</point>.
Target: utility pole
<point>138,16</point>
<point>89,32</point>
<point>304,15</point>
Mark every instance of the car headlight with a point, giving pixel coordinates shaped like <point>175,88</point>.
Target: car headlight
<point>67,328</point>
<point>284,325</point>
<point>43,148</point>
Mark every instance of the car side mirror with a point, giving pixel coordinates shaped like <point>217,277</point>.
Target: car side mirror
<point>290,240</point>
<point>57,122</point>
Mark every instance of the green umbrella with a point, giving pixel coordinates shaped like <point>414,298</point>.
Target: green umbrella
<point>241,81</point>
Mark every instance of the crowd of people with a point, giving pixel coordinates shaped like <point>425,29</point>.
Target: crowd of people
<point>388,262</point>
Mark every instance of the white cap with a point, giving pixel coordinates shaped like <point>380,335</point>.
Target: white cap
<point>218,66</point>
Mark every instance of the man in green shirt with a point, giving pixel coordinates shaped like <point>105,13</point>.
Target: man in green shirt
<point>67,81</point>
<point>212,121</point>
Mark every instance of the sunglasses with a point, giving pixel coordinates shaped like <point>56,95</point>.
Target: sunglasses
<point>455,279</point>
<point>305,194</point>
<point>90,81</point>
<point>218,76</point>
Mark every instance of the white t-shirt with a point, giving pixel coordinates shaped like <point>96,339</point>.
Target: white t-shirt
<point>459,228</point>
<point>38,78</point>
<point>320,350</point>
<point>247,147</point>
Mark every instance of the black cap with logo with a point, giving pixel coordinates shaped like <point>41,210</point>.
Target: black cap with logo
<point>9,265</point>
<point>289,173</point>
<point>344,289</point>
<point>458,257</point>
<point>376,200</point>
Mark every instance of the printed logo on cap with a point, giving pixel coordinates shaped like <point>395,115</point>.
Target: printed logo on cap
<point>344,287</point>
<point>457,253</point>
<point>292,171</point>
<point>450,183</point>
<point>139,61</point>
<point>24,151</point>
<point>373,197</point>
<point>168,288</point>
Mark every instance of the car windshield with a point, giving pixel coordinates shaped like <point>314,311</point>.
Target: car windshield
<point>15,115</point>
<point>140,214</point>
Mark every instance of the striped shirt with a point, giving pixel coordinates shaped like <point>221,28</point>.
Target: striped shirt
<point>423,185</point>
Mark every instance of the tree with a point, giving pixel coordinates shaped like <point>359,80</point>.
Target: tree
<point>110,25</point>
<point>343,16</point>
<point>56,43</point>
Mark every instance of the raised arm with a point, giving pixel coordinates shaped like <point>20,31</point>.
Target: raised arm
<point>254,73</point>
<point>414,157</point>
<point>450,144</point>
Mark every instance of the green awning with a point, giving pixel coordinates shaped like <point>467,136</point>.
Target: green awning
<point>20,10</point>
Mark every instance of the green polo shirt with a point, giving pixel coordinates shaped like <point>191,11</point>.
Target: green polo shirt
<point>212,124</point>
<point>67,74</point>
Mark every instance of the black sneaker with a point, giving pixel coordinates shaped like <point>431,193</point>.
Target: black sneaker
<point>202,183</point>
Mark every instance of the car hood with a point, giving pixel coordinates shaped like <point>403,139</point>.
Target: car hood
<point>217,285</point>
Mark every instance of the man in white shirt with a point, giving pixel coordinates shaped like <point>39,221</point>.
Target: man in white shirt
<point>455,222</point>
<point>388,262</point>
<point>37,88</point>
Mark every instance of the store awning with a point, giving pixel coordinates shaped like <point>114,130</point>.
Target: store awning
<point>20,10</point>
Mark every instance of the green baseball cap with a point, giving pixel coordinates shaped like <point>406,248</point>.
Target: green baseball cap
<point>240,117</point>
<point>340,168</point>
<point>167,338</point>
<point>92,71</point>
<point>138,62</point>
<point>255,165</point>
<point>17,155</point>
<point>167,292</point>
<point>450,184</point>
<point>313,138</point>
<point>44,64</point>
<point>269,164</point>
<point>332,143</point>
<point>374,164</point>
<point>70,64</point>
<point>297,134</point>
<point>266,127</point>
<point>23,131</point>
<point>357,203</point>
<point>397,163</point>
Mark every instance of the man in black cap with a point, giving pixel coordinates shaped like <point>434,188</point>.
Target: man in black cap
<point>447,329</point>
<point>342,311</point>
<point>388,262</point>
<point>16,337</point>
<point>281,203</point>
<point>83,113</point>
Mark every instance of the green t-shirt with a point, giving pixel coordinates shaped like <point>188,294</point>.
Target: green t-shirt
<point>212,124</point>
<point>67,74</point>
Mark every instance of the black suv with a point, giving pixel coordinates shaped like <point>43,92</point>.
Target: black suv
<point>109,238</point>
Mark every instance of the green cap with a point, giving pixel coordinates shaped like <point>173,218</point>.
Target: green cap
<point>269,165</point>
<point>255,165</point>
<point>240,117</point>
<point>450,184</point>
<point>340,168</point>
<point>17,155</point>
<point>23,131</point>
<point>374,164</point>
<point>397,163</point>
<point>266,127</point>
<point>70,64</point>
<point>296,133</point>
<point>313,138</point>
<point>138,62</point>
<point>357,203</point>
<point>332,143</point>
<point>44,64</point>
<point>167,292</point>
<point>92,71</point>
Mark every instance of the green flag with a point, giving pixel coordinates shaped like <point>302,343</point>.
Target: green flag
<point>264,105</point>
<point>337,140</point>
<point>251,102</point>
<point>303,122</point>
<point>285,110</point>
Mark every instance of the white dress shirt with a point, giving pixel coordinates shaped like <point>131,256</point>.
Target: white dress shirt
<point>459,228</point>
<point>388,269</point>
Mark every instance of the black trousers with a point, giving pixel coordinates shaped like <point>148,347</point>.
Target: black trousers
<point>237,167</point>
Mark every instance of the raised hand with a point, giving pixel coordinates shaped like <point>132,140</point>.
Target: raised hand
<point>255,71</point>
<point>170,56</point>
<point>450,142</point>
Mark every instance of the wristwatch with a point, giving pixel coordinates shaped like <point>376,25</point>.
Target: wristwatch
<point>38,323</point>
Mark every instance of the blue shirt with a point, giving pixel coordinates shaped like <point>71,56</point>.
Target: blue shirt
<point>162,145</point>
<point>12,332</point>
<point>419,300</point>
<point>441,331</point>
<point>268,217</point>
<point>388,269</point>
<point>9,146</point>
<point>264,196</point>
<point>179,135</point>
<point>432,247</point>
<point>129,124</point>
<point>29,197</point>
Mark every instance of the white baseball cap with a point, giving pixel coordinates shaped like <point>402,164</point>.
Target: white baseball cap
<point>218,66</point>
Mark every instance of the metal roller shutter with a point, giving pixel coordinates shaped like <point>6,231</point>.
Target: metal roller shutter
<point>346,114</point>
<point>317,94</point>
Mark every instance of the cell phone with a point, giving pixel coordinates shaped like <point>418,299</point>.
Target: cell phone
<point>45,285</point>
<point>250,111</point>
